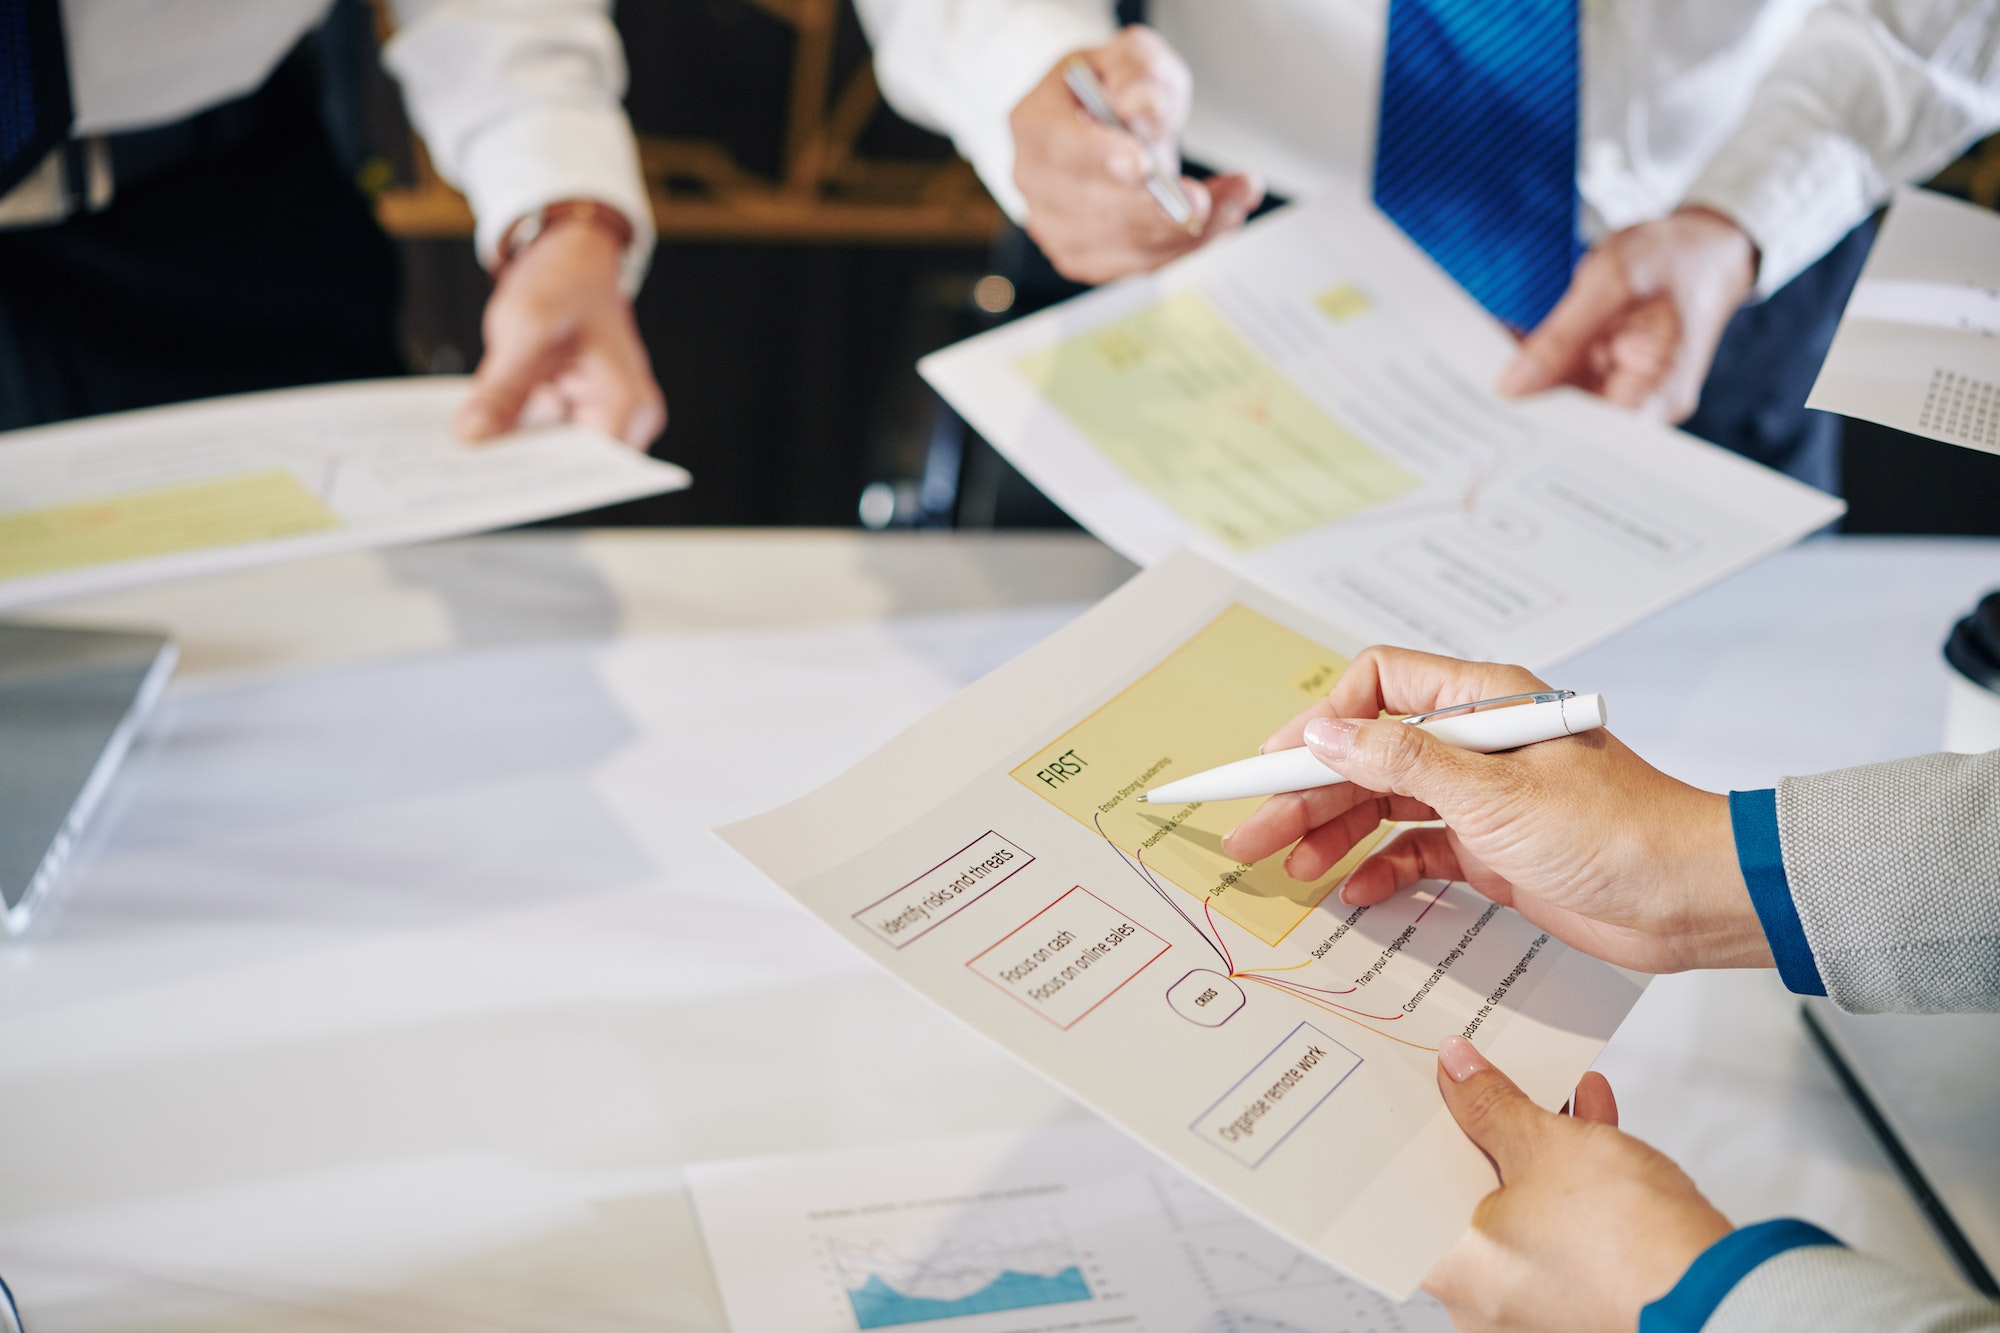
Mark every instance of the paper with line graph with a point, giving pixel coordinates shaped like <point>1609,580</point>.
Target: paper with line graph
<point>1311,403</point>
<point>1061,1228</point>
<point>1274,1043</point>
<point>107,502</point>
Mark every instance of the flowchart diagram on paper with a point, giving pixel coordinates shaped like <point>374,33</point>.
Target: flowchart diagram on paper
<point>1273,1042</point>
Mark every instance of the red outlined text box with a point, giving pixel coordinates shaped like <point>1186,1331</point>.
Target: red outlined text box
<point>1070,957</point>
<point>943,891</point>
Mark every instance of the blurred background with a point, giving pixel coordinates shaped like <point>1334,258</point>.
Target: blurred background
<point>813,245</point>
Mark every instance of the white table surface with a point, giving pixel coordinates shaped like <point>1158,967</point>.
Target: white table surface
<point>400,978</point>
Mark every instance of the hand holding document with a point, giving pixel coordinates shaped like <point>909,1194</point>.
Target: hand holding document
<point>1311,403</point>
<point>1273,1042</point>
<point>107,502</point>
<point>1918,348</point>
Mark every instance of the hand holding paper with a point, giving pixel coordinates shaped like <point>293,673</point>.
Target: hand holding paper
<point>1582,1210</point>
<point>558,326</point>
<point>1312,402</point>
<point>1643,314</point>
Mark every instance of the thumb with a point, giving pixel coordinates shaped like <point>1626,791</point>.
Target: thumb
<point>1234,198</point>
<point>1201,203</point>
<point>1556,352</point>
<point>1388,756</point>
<point>1593,1100</point>
<point>1497,1116</point>
<point>507,374</point>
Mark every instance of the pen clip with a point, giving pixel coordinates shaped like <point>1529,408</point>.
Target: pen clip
<point>1535,697</point>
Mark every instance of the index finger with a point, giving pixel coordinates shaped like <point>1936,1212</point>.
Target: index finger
<point>1146,81</point>
<point>1555,352</point>
<point>506,375</point>
<point>1079,146</point>
<point>1285,818</point>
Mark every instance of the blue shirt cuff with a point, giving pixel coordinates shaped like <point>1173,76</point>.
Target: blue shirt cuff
<point>1717,1270</point>
<point>1754,817</point>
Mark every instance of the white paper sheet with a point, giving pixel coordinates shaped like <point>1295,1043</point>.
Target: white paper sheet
<point>104,503</point>
<point>1063,1228</point>
<point>1269,1040</point>
<point>1310,402</point>
<point>1918,348</point>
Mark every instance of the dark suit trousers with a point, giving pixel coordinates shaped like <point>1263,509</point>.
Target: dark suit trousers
<point>235,257</point>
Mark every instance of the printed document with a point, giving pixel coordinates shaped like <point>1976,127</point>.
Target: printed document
<point>1063,1228</point>
<point>1918,348</point>
<point>1272,1042</point>
<point>107,502</point>
<point>1311,402</point>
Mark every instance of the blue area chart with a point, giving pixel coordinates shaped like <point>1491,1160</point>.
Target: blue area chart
<point>879,1305</point>
<point>923,1267</point>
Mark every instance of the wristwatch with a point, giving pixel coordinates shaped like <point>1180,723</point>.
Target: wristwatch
<point>604,217</point>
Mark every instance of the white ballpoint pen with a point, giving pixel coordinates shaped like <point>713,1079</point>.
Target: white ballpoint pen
<point>1488,726</point>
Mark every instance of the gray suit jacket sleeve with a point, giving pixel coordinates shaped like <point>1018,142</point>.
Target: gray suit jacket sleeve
<point>1831,1290</point>
<point>1895,870</point>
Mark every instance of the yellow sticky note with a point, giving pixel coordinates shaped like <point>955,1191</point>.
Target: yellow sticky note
<point>1342,303</point>
<point>1184,405</point>
<point>1212,701</point>
<point>255,506</point>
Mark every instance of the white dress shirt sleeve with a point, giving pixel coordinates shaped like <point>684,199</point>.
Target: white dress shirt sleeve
<point>961,66</point>
<point>1868,94</point>
<point>519,102</point>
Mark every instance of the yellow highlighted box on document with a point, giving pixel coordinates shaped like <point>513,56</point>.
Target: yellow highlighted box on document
<point>1213,700</point>
<point>1187,407</point>
<point>227,511</point>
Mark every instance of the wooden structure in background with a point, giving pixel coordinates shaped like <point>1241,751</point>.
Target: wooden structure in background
<point>1976,176</point>
<point>827,194</point>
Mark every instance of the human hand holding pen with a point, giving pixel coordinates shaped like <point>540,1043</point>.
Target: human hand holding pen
<point>1579,835</point>
<point>1088,203</point>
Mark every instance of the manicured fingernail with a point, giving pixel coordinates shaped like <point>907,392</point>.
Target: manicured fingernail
<point>1330,739</point>
<point>1515,377</point>
<point>1460,1058</point>
<point>1125,167</point>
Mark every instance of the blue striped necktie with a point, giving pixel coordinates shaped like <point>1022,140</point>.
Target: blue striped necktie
<point>34,86</point>
<point>1475,149</point>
